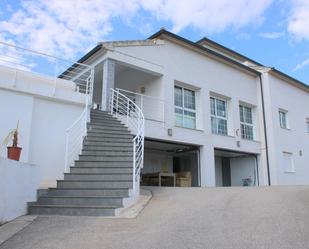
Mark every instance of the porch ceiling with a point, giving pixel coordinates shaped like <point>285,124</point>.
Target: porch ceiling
<point>166,146</point>
<point>230,154</point>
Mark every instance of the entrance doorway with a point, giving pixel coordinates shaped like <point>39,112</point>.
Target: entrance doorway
<point>170,164</point>
<point>235,169</point>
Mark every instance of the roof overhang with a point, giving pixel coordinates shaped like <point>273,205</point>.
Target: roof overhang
<point>166,35</point>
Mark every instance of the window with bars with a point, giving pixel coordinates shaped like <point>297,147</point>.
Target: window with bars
<point>283,119</point>
<point>246,122</point>
<point>218,109</point>
<point>185,109</point>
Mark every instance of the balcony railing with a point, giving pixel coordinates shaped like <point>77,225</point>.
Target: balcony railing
<point>152,107</point>
<point>54,70</point>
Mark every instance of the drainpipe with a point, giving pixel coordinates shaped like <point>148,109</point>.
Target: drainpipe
<point>265,130</point>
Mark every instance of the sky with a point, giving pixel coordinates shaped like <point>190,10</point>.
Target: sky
<point>272,32</point>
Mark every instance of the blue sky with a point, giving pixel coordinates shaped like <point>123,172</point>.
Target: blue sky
<point>274,33</point>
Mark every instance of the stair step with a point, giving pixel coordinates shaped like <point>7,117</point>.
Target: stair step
<point>108,135</point>
<point>121,192</point>
<point>112,144</point>
<point>128,153</point>
<point>72,210</point>
<point>106,158</point>
<point>98,177</point>
<point>80,163</point>
<point>106,125</point>
<point>93,184</point>
<point>98,127</point>
<point>107,132</point>
<point>81,201</point>
<point>109,139</point>
<point>124,147</point>
<point>101,170</point>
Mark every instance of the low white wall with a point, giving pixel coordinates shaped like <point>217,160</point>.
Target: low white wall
<point>18,185</point>
<point>44,113</point>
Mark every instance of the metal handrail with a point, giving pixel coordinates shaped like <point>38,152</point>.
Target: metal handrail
<point>151,106</point>
<point>77,131</point>
<point>132,116</point>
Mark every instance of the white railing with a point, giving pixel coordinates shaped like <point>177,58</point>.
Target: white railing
<point>152,107</point>
<point>132,116</point>
<point>76,133</point>
<point>49,66</point>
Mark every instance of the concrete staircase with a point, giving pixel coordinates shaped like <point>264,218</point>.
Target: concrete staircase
<point>100,182</point>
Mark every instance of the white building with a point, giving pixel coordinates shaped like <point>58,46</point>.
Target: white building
<point>211,114</point>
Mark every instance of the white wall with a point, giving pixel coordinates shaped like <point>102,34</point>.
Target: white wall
<point>294,140</point>
<point>18,185</point>
<point>208,75</point>
<point>44,114</point>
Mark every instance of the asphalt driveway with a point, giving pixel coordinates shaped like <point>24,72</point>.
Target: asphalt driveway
<point>276,217</point>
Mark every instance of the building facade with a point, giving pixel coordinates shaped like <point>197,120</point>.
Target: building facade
<point>212,115</point>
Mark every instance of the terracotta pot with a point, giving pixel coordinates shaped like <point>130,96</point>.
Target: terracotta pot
<point>14,152</point>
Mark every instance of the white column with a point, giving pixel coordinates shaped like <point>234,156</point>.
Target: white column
<point>207,164</point>
<point>108,82</point>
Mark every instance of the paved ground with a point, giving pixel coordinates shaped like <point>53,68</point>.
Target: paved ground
<point>276,217</point>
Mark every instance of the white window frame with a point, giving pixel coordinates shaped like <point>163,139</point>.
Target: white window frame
<point>215,116</point>
<point>244,136</point>
<point>287,126</point>
<point>291,169</point>
<point>183,108</point>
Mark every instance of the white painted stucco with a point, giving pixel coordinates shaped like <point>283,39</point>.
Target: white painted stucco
<point>18,185</point>
<point>206,76</point>
<point>294,140</point>
<point>44,112</point>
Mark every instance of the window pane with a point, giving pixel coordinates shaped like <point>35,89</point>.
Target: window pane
<point>241,112</point>
<point>212,106</point>
<point>247,115</point>
<point>178,96</point>
<point>288,163</point>
<point>219,126</point>
<point>222,127</point>
<point>189,99</point>
<point>178,116</point>
<point>221,108</point>
<point>246,131</point>
<point>282,116</point>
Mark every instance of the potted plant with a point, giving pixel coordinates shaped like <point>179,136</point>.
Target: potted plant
<point>13,151</point>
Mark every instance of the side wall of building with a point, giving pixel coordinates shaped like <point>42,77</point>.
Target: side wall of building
<point>292,142</point>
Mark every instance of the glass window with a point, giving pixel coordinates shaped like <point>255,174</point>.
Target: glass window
<point>218,116</point>
<point>288,163</point>
<point>283,119</point>
<point>246,123</point>
<point>185,113</point>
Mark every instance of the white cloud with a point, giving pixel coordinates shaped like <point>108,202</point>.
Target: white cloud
<point>208,16</point>
<point>298,22</point>
<point>301,65</point>
<point>271,35</point>
<point>68,27</point>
